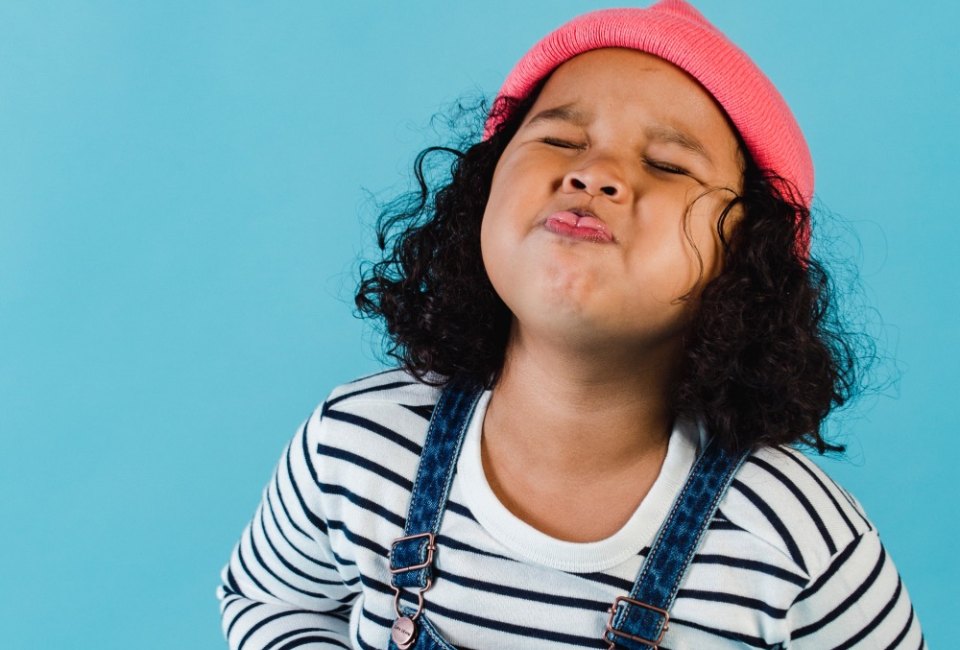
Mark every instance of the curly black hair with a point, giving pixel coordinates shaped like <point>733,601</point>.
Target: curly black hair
<point>766,356</point>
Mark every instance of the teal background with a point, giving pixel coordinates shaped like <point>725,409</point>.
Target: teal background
<point>185,189</point>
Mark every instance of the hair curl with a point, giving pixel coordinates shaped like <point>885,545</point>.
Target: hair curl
<point>766,355</point>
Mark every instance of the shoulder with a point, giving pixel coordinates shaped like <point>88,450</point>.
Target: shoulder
<point>376,393</point>
<point>782,497</point>
<point>817,567</point>
<point>374,425</point>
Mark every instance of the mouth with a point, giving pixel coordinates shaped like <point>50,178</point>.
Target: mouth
<point>579,225</point>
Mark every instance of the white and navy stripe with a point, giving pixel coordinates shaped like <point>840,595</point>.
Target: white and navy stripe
<point>789,561</point>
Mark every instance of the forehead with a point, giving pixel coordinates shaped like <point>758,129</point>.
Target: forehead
<point>636,88</point>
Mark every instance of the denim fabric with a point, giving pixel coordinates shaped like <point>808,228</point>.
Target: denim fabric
<point>448,426</point>
<point>659,578</point>
<point>679,537</point>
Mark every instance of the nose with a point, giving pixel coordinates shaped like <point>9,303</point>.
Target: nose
<point>597,177</point>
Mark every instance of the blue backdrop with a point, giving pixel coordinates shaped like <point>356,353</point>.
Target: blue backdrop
<point>185,191</point>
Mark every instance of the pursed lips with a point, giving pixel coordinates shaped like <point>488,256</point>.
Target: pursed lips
<point>579,224</point>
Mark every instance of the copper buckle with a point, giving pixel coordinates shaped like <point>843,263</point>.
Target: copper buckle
<point>431,547</point>
<point>639,639</point>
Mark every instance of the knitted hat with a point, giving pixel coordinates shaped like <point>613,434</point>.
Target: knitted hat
<point>676,32</point>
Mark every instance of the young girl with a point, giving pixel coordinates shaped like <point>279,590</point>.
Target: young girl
<point>612,338</point>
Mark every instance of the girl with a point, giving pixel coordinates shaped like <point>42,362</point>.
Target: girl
<point>612,336</point>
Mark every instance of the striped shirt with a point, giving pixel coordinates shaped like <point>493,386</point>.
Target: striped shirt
<point>789,561</point>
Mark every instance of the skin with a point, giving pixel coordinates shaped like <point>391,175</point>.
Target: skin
<point>580,414</point>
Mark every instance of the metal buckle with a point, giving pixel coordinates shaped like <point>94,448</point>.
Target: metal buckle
<point>396,601</point>
<point>431,547</point>
<point>613,612</point>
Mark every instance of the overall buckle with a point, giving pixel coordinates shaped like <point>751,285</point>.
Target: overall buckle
<point>405,628</point>
<point>653,643</point>
<point>431,547</point>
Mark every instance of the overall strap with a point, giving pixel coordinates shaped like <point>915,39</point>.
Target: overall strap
<point>411,556</point>
<point>639,621</point>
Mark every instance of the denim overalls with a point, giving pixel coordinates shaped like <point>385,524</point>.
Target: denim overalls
<point>637,621</point>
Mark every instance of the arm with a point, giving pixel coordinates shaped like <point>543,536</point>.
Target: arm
<point>282,587</point>
<point>857,601</point>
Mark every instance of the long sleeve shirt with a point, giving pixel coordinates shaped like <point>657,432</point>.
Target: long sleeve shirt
<point>789,561</point>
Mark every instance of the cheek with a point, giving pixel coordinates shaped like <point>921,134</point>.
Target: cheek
<point>523,176</point>
<point>491,226</point>
<point>488,249</point>
<point>498,208</point>
<point>663,257</point>
<point>495,240</point>
<point>508,216</point>
<point>702,241</point>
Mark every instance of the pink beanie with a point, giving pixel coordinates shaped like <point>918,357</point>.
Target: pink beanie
<point>673,30</point>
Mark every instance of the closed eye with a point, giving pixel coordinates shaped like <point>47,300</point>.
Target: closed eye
<point>666,167</point>
<point>563,144</point>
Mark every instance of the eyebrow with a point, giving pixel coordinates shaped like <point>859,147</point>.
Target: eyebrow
<point>565,113</point>
<point>671,135</point>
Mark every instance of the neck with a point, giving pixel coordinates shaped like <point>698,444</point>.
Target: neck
<point>581,413</point>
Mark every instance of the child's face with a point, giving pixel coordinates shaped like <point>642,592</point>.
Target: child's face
<point>633,140</point>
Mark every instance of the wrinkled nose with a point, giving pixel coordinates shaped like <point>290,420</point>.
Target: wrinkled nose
<point>596,178</point>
